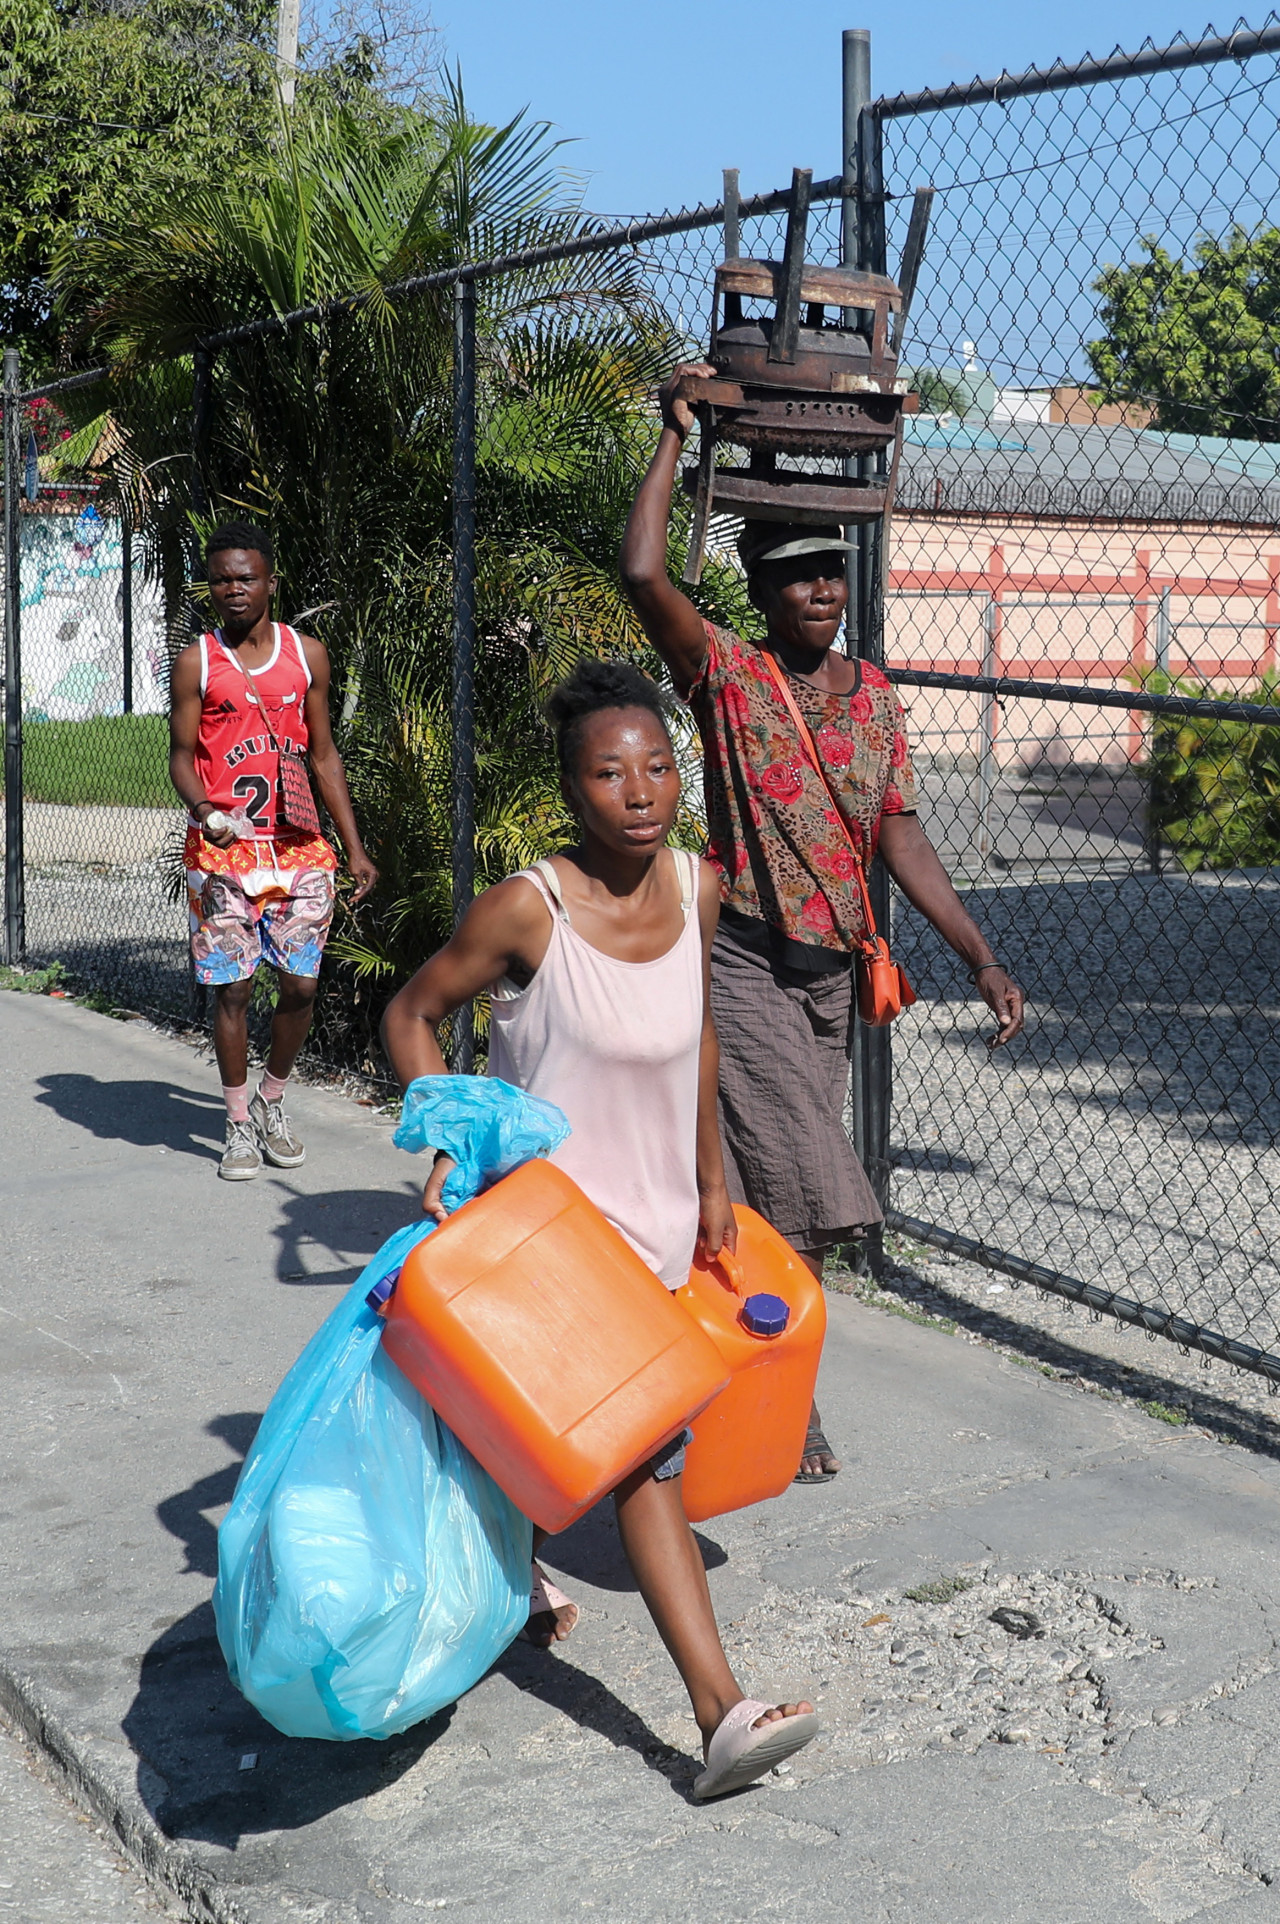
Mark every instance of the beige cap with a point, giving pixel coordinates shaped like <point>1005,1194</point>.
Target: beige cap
<point>779,540</point>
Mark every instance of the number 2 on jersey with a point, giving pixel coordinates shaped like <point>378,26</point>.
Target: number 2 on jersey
<point>259,808</point>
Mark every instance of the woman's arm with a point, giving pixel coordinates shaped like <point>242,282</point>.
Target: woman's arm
<point>912,860</point>
<point>502,927</point>
<point>507,924</point>
<point>718,1226</point>
<point>669,618</point>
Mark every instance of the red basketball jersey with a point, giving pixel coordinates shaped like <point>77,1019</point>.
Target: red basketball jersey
<point>235,758</point>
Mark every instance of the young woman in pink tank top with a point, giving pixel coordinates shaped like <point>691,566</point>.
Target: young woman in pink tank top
<point>597,963</point>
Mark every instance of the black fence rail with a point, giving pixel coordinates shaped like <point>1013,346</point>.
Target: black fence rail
<point>1078,597</point>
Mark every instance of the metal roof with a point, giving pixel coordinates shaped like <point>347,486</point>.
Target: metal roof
<point>1096,472</point>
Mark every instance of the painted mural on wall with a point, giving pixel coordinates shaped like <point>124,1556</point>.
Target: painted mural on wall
<point>73,622</point>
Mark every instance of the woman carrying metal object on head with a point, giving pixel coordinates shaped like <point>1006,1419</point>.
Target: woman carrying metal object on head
<point>779,833</point>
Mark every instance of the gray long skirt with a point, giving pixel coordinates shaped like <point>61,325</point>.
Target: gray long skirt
<point>784,1077</point>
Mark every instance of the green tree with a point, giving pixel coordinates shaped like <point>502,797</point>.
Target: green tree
<point>103,105</point>
<point>1198,338</point>
<point>109,107</point>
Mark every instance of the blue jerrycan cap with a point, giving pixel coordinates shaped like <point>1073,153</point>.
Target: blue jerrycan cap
<point>765,1315</point>
<point>381,1293</point>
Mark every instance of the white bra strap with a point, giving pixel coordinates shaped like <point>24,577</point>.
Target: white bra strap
<point>688,879</point>
<point>547,883</point>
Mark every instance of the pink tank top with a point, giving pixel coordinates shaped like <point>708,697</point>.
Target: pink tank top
<point>616,1045</point>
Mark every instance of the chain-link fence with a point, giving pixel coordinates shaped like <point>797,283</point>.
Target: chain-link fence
<point>1091,500</point>
<point>1086,543</point>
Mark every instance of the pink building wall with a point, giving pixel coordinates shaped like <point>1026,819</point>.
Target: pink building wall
<point>1043,600</point>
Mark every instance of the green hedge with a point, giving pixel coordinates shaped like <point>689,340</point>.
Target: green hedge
<point>1215,785</point>
<point>120,759</point>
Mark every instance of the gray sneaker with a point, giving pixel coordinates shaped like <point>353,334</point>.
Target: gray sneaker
<point>275,1133</point>
<point>241,1159</point>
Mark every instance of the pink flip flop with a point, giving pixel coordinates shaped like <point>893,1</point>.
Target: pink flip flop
<point>544,1596</point>
<point>737,1754</point>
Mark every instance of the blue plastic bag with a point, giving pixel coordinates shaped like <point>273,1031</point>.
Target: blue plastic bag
<point>369,1571</point>
<point>485,1125</point>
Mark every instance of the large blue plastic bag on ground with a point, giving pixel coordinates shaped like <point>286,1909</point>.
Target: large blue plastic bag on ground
<point>369,1571</point>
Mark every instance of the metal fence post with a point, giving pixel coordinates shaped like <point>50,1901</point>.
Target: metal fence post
<point>126,606</point>
<point>862,237</point>
<point>15,932</point>
<point>1164,648</point>
<point>463,707</point>
<point>987,725</point>
<point>1164,631</point>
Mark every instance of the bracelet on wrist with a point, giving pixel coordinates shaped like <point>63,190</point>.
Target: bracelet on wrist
<point>983,967</point>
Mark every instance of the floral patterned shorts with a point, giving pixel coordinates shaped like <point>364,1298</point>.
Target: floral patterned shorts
<point>285,924</point>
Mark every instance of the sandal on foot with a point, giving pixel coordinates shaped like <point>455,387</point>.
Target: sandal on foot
<point>815,1444</point>
<point>738,1754</point>
<point>545,1600</point>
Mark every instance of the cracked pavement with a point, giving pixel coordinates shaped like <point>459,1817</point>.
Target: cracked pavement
<point>1119,1761</point>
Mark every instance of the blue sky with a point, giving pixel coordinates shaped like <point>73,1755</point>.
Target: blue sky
<point>659,96</point>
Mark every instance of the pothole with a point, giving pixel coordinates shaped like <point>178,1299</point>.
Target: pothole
<point>1016,1660</point>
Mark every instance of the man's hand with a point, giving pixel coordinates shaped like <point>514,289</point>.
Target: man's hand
<point>220,837</point>
<point>676,413</point>
<point>365,874</point>
<point>1005,1000</point>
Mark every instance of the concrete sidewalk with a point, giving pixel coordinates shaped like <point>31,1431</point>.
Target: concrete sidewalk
<point>1124,1764</point>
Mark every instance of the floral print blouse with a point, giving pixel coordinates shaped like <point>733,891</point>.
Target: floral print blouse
<point>772,832</point>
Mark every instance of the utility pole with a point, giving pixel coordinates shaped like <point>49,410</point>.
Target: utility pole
<point>287,47</point>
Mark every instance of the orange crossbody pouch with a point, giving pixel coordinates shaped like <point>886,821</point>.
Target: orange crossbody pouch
<point>883,989</point>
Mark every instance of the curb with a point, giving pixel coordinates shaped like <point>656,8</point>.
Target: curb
<point>134,1829</point>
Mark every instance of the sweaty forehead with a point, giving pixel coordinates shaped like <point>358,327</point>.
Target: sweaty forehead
<point>238,561</point>
<point>619,728</point>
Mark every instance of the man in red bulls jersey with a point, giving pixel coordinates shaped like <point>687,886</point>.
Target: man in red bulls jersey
<point>260,890</point>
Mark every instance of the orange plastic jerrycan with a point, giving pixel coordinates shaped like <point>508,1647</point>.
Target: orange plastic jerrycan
<point>766,1315</point>
<point>546,1344</point>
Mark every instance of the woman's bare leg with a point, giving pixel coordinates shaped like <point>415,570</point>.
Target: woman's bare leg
<point>667,1564</point>
<point>546,1627</point>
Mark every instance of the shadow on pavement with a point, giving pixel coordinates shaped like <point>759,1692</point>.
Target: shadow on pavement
<point>183,1513</point>
<point>148,1114</point>
<point>591,1550</point>
<point>190,1728</point>
<point>329,1238</point>
<point>554,1681</point>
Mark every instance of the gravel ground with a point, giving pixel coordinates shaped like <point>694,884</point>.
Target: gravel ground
<point>901,1675</point>
<point>114,927</point>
